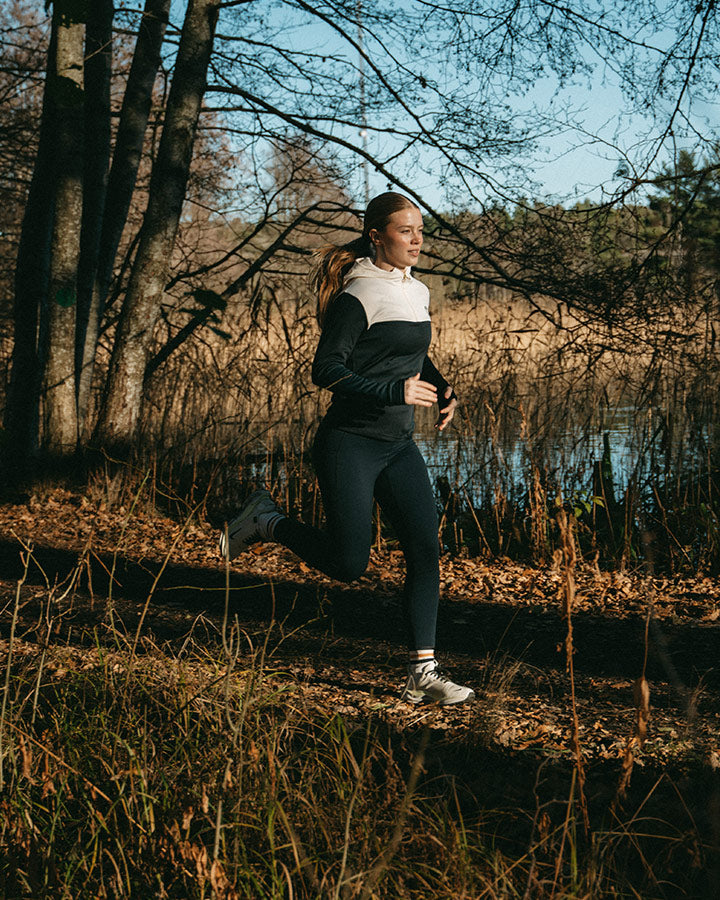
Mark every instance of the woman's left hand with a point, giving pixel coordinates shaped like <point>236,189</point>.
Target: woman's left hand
<point>446,412</point>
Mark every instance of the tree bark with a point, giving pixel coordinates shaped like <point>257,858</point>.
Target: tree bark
<point>98,72</point>
<point>59,400</point>
<point>32,272</point>
<point>122,178</point>
<point>120,413</point>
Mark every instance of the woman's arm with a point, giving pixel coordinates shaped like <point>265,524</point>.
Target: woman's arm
<point>447,399</point>
<point>344,324</point>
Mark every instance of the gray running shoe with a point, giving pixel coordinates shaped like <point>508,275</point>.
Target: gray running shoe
<point>426,684</point>
<point>245,529</point>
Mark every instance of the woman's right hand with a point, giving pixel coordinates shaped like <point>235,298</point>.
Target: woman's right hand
<point>419,393</point>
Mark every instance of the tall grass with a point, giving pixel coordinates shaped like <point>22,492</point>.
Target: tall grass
<point>616,422</point>
<point>132,771</point>
<point>214,775</point>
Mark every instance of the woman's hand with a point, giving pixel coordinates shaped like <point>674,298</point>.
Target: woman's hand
<point>419,393</point>
<point>447,411</point>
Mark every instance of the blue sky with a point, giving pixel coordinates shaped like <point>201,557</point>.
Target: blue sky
<point>575,163</point>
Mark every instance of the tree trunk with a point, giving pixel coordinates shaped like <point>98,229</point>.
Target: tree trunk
<point>123,175</point>
<point>120,414</point>
<point>59,401</point>
<point>98,71</point>
<point>32,272</point>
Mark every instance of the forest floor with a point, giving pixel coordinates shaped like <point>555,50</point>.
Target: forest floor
<point>93,580</point>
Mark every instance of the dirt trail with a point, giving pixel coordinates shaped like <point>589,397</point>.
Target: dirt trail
<point>500,629</point>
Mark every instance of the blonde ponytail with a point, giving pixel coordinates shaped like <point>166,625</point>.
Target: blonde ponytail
<point>333,263</point>
<point>331,266</point>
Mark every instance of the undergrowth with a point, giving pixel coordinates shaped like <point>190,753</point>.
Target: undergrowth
<point>210,775</point>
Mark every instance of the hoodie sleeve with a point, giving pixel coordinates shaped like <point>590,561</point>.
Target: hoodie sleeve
<point>345,322</point>
<point>430,373</point>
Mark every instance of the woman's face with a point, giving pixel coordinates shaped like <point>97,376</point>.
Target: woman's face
<point>398,244</point>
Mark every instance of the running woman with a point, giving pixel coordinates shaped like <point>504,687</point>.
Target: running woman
<point>372,356</point>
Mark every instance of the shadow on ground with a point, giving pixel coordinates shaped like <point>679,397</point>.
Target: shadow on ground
<point>604,646</point>
<point>679,808</point>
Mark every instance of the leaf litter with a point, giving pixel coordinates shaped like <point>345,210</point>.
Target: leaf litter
<point>334,647</point>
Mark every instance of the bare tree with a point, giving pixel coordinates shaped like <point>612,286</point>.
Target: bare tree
<point>121,182</point>
<point>444,94</point>
<point>98,75</point>
<point>123,401</point>
<point>30,285</point>
<point>66,199</point>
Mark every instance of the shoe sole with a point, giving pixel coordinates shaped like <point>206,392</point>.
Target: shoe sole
<point>427,698</point>
<point>248,510</point>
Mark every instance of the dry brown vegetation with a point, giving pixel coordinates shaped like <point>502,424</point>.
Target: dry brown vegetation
<point>539,388</point>
<point>173,729</point>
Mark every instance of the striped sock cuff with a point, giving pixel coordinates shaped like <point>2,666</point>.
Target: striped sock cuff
<point>418,658</point>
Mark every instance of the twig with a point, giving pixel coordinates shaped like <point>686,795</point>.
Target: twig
<point>6,691</point>
<point>568,601</point>
<point>386,856</point>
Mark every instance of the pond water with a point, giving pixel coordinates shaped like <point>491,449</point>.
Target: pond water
<point>634,442</point>
<point>631,440</point>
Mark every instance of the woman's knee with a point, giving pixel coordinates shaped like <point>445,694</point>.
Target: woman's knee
<point>350,566</point>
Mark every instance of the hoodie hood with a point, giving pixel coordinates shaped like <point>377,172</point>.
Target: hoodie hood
<point>387,296</point>
<point>366,268</point>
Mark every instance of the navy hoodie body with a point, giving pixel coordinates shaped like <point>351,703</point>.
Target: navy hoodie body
<point>375,336</point>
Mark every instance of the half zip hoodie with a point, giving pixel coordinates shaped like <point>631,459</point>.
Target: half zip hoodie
<point>375,337</point>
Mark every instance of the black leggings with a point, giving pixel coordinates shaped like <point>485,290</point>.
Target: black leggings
<point>351,469</point>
